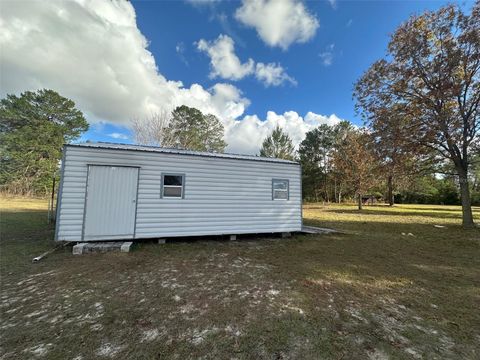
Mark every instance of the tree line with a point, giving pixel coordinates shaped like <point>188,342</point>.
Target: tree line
<point>344,163</point>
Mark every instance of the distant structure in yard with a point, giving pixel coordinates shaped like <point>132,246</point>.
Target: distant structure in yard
<point>371,199</point>
<point>117,191</point>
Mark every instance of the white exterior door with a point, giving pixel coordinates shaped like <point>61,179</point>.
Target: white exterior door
<point>110,207</point>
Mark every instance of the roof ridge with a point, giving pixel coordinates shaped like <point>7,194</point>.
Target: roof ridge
<point>154,148</point>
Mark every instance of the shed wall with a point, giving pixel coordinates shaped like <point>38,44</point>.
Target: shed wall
<point>222,196</point>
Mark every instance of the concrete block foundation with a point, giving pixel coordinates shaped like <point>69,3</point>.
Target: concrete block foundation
<point>90,247</point>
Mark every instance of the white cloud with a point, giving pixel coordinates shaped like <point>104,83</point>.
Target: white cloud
<point>229,98</point>
<point>226,64</point>
<point>120,136</point>
<point>272,74</point>
<point>94,53</point>
<point>327,55</point>
<point>180,49</point>
<point>333,3</point>
<point>317,119</point>
<point>278,22</point>
<point>246,135</point>
<point>223,60</point>
<point>202,2</point>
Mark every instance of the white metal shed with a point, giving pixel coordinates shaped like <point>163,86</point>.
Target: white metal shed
<point>116,191</point>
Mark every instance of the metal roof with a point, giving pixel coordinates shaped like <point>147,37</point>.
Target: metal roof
<point>157,149</point>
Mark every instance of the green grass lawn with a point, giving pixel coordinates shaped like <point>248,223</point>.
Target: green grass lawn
<point>391,286</point>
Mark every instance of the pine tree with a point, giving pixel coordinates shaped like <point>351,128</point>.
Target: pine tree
<point>278,145</point>
<point>190,129</point>
<point>33,128</point>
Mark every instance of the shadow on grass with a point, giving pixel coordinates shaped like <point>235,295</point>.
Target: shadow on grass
<point>427,208</point>
<point>24,210</point>
<point>376,212</point>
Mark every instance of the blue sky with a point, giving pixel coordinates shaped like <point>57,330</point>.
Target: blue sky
<point>287,63</point>
<point>359,31</point>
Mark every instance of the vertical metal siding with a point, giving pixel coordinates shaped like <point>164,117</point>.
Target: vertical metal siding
<point>110,202</point>
<point>221,196</point>
<point>301,195</point>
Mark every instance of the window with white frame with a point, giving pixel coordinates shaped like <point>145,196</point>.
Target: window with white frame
<point>280,188</point>
<point>173,186</point>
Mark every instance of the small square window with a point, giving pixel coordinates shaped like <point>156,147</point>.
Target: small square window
<point>280,189</point>
<point>173,186</point>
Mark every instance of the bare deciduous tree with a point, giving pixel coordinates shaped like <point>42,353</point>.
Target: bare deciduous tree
<point>153,129</point>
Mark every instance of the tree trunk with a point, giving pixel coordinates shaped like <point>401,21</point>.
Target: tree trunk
<point>325,189</point>
<point>360,201</point>
<point>391,200</point>
<point>476,183</point>
<point>467,216</point>
<point>335,188</point>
